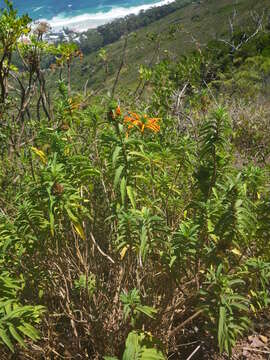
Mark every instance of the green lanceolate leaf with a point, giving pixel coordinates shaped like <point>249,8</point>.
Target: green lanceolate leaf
<point>131,197</point>
<point>16,335</point>
<point>222,327</point>
<point>116,154</point>
<point>117,175</point>
<point>123,189</point>
<point>147,310</point>
<point>29,331</point>
<point>6,339</point>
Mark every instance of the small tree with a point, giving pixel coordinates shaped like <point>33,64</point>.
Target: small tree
<point>12,28</point>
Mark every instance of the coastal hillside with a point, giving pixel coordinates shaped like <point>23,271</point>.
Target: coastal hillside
<point>134,189</point>
<point>193,25</point>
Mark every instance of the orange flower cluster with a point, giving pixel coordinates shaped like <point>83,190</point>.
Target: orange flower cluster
<point>142,122</point>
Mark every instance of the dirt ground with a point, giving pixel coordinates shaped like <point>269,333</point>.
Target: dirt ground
<point>196,345</point>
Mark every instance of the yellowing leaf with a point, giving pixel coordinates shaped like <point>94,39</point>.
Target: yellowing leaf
<point>263,338</point>
<point>123,252</point>
<point>178,192</point>
<point>236,252</point>
<point>40,154</point>
<point>79,230</point>
<point>214,237</point>
<point>210,225</point>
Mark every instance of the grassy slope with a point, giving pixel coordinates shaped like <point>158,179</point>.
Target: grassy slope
<point>203,21</point>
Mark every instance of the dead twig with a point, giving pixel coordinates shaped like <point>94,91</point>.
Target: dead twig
<point>194,352</point>
<point>257,19</point>
<point>120,67</point>
<point>256,350</point>
<point>180,326</point>
<point>99,249</point>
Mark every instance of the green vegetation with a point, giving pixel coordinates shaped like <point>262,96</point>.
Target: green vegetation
<point>130,217</point>
<point>173,35</point>
<point>94,39</point>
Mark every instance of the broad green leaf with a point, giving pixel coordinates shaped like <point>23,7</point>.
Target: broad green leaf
<point>132,351</point>
<point>141,347</point>
<point>151,354</point>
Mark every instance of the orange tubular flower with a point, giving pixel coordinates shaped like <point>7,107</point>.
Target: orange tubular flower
<point>118,111</point>
<point>135,120</point>
<point>115,113</point>
<point>152,124</point>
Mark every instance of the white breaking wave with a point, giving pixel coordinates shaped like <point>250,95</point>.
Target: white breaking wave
<point>38,8</point>
<point>88,21</point>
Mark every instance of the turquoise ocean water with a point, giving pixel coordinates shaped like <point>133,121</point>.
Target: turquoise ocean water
<point>85,12</point>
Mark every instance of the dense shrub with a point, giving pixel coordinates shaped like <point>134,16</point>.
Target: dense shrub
<point>122,222</point>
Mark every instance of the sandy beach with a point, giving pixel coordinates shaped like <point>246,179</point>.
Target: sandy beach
<point>86,21</point>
